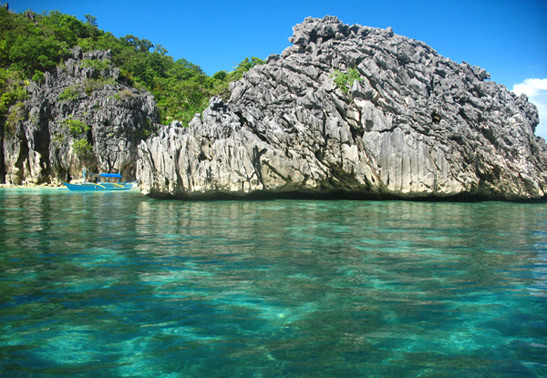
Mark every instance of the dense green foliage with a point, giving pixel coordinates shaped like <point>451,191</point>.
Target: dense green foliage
<point>31,44</point>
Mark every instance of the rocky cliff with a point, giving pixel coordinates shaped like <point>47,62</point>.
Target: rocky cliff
<point>412,124</point>
<point>84,114</point>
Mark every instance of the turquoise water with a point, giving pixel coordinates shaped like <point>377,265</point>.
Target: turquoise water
<point>116,284</point>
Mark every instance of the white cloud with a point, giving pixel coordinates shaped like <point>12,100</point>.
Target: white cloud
<point>536,90</point>
<point>530,87</point>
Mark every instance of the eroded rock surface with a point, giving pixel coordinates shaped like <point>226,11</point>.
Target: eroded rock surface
<point>83,114</point>
<point>415,125</point>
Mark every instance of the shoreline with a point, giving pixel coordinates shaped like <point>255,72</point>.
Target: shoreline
<point>29,186</point>
<point>463,197</point>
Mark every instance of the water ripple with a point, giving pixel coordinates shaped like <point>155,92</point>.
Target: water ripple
<point>116,284</point>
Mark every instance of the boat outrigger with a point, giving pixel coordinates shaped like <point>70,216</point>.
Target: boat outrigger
<point>100,181</point>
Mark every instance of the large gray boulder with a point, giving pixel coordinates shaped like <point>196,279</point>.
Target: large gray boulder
<point>84,114</point>
<point>414,125</point>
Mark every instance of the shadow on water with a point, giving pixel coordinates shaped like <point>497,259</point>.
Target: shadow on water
<point>343,195</point>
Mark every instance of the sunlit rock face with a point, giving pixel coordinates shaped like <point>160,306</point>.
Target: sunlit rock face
<point>414,125</point>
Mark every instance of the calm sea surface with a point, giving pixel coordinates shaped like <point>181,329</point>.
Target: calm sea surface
<point>119,285</point>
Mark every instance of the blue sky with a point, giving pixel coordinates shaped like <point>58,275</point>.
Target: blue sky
<point>507,38</point>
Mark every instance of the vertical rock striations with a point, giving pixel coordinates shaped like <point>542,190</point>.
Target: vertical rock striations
<point>83,114</point>
<point>414,124</point>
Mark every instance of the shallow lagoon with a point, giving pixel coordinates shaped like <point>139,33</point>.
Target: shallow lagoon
<point>116,284</point>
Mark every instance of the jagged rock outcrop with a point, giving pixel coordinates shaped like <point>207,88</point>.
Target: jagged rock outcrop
<point>83,114</point>
<point>415,125</point>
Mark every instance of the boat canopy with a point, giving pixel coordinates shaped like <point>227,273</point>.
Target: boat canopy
<point>106,175</point>
<point>116,175</point>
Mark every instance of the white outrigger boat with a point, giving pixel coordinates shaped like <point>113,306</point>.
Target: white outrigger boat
<point>100,181</point>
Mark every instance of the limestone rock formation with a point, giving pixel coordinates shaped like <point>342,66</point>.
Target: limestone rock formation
<point>81,115</point>
<point>415,124</point>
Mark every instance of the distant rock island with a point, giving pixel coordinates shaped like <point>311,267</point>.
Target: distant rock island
<point>357,112</point>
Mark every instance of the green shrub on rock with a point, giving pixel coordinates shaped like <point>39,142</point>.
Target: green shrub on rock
<point>70,93</point>
<point>344,80</point>
<point>75,126</point>
<point>99,65</point>
<point>15,115</point>
<point>82,147</point>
